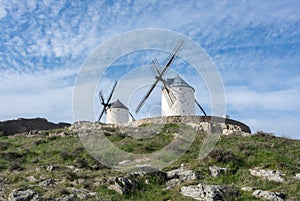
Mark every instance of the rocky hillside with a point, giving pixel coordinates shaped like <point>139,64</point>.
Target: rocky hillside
<point>22,125</point>
<point>54,165</point>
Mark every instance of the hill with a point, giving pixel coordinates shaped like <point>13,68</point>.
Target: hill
<point>54,165</point>
<point>22,125</point>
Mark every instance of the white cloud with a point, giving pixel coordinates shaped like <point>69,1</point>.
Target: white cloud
<point>254,45</point>
<point>46,94</point>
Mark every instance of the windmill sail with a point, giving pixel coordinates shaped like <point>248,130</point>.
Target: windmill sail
<point>159,77</point>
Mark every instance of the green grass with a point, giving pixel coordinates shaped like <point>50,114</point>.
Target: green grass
<point>22,156</point>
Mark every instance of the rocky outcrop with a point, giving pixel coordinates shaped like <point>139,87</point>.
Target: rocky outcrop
<point>268,195</point>
<point>31,195</point>
<point>82,194</point>
<point>180,175</point>
<point>122,185</point>
<point>247,188</point>
<point>297,176</point>
<point>270,175</point>
<point>47,182</point>
<point>23,195</point>
<point>216,171</point>
<point>205,192</point>
<point>21,125</point>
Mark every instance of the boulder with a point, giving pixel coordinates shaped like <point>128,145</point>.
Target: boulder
<point>47,182</point>
<point>2,194</point>
<point>270,175</point>
<point>82,194</point>
<point>268,195</point>
<point>180,175</point>
<point>31,179</point>
<point>297,176</point>
<point>205,192</point>
<point>247,188</point>
<point>216,171</point>
<point>69,197</point>
<point>23,195</point>
<point>228,132</point>
<point>52,168</point>
<point>122,185</point>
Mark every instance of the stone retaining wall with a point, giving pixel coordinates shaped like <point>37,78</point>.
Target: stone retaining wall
<point>192,119</point>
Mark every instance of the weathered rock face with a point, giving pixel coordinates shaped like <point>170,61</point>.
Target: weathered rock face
<point>47,182</point>
<point>11,127</point>
<point>267,195</point>
<point>180,175</point>
<point>123,185</point>
<point>69,197</point>
<point>216,171</point>
<point>23,195</point>
<point>271,175</point>
<point>209,192</point>
<point>83,194</point>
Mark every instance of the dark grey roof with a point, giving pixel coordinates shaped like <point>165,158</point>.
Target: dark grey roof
<point>118,104</point>
<point>178,82</point>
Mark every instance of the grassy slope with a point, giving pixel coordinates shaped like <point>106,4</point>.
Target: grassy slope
<point>20,156</point>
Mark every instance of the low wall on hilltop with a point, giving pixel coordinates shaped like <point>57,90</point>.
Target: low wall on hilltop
<point>192,119</point>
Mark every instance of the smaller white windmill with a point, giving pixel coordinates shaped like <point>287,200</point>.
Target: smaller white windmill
<point>116,112</point>
<point>177,96</point>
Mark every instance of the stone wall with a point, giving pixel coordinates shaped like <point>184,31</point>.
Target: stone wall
<point>21,125</point>
<point>192,119</point>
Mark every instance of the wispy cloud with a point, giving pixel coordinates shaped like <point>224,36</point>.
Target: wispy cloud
<point>254,45</point>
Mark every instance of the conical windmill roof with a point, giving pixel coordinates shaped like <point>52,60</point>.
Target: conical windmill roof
<point>178,82</point>
<point>118,104</point>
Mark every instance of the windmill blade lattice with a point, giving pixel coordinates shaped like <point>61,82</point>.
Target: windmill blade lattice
<point>106,104</point>
<point>158,78</point>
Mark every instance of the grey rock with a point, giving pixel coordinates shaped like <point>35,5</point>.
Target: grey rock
<point>31,179</point>
<point>173,183</point>
<point>23,195</point>
<point>205,192</point>
<point>47,182</point>
<point>183,174</point>
<point>69,197</point>
<point>123,185</point>
<point>2,194</point>
<point>247,188</point>
<point>52,168</point>
<point>297,176</point>
<point>271,175</point>
<point>216,171</point>
<point>268,195</point>
<point>179,176</point>
<point>82,194</point>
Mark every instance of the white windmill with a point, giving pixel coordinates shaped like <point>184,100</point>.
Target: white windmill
<point>177,97</point>
<point>116,112</point>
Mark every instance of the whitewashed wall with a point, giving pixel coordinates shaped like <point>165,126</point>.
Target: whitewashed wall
<point>117,116</point>
<point>184,104</point>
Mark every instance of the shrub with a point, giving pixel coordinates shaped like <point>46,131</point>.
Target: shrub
<point>264,135</point>
<point>15,166</point>
<point>4,146</point>
<point>81,163</point>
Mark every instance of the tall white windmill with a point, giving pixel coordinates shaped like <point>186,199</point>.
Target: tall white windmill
<point>177,97</point>
<point>116,112</point>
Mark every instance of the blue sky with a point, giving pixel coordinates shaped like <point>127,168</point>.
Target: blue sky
<point>255,46</point>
